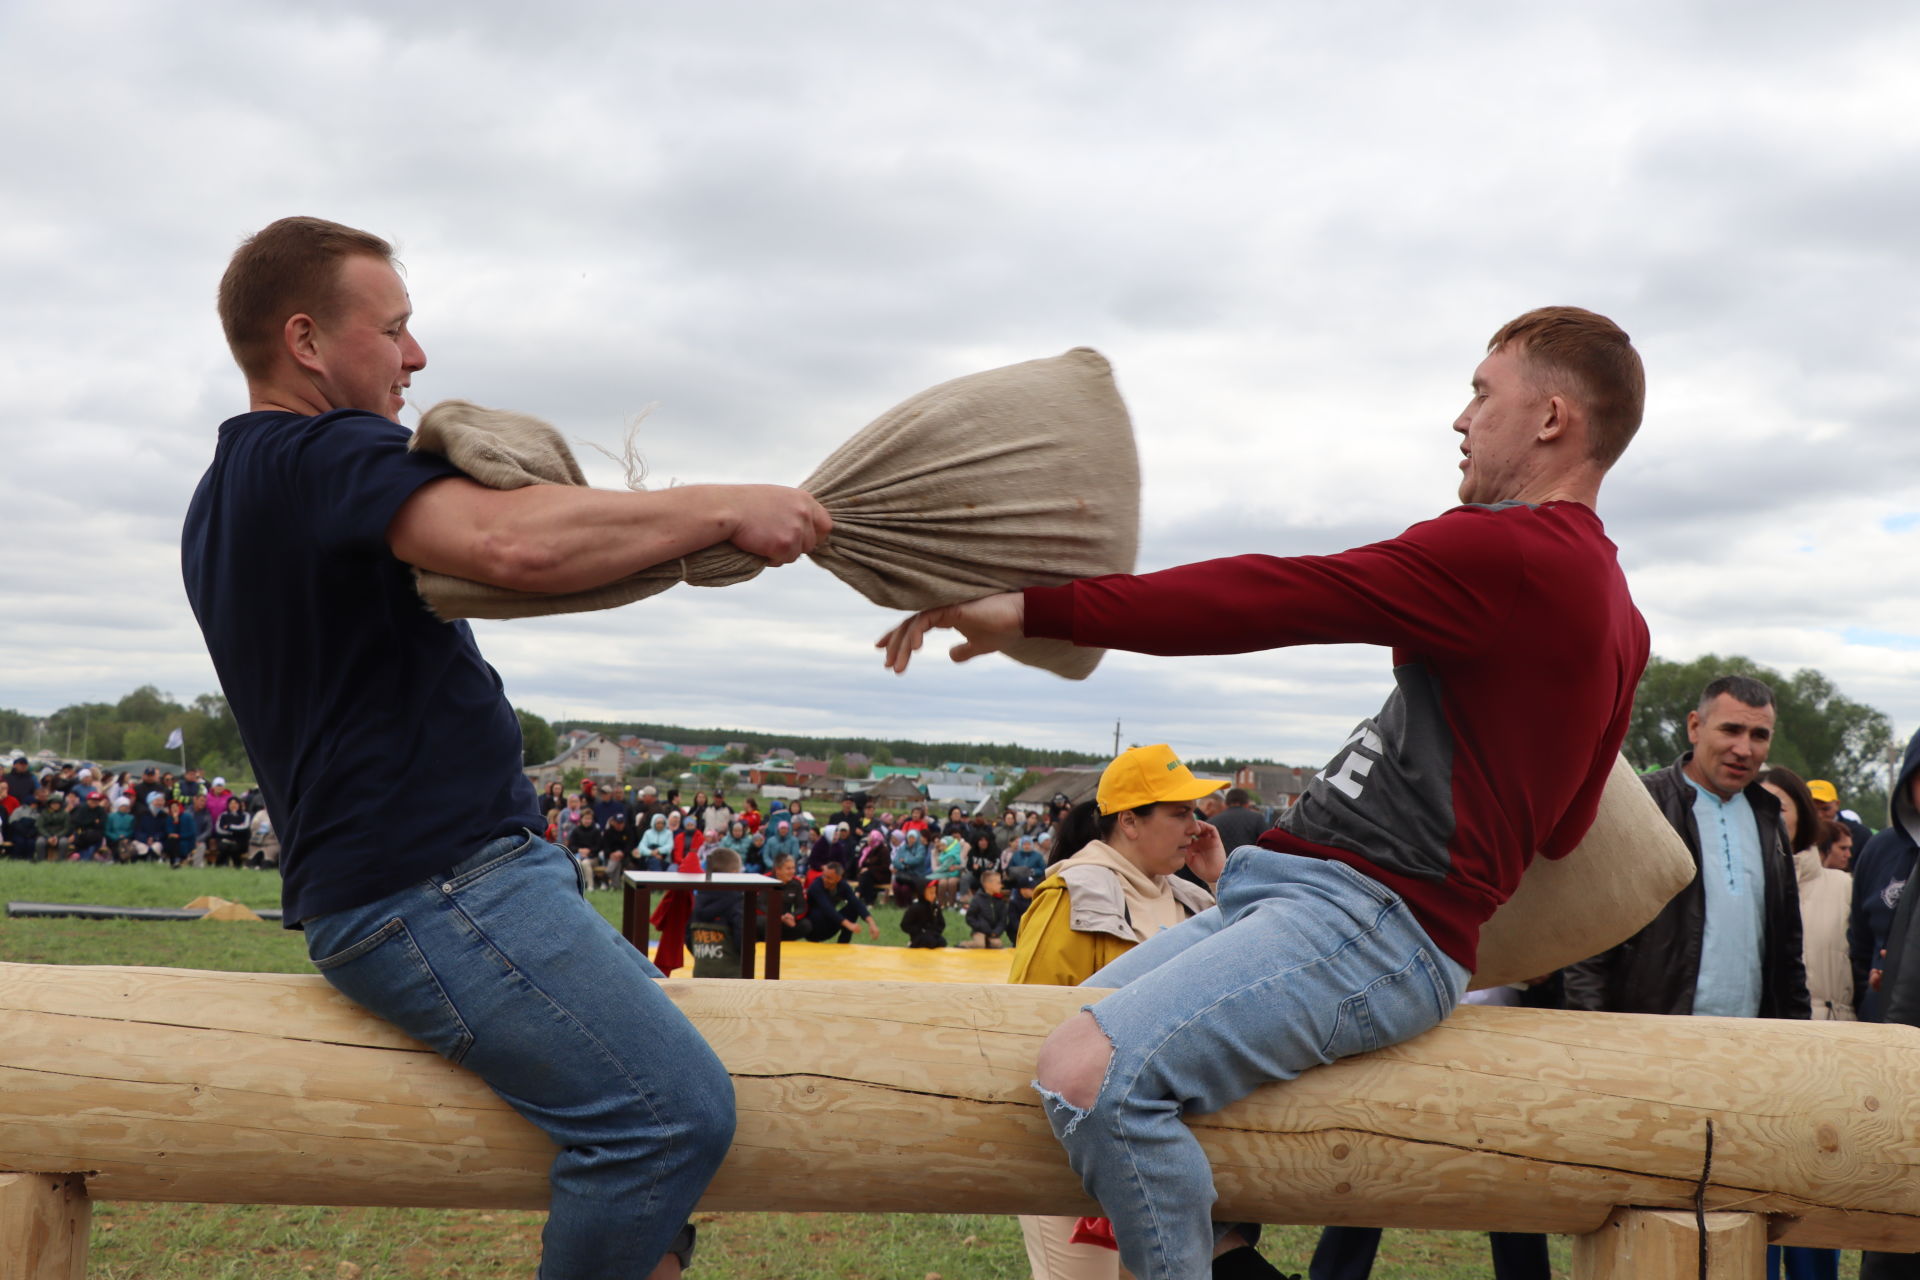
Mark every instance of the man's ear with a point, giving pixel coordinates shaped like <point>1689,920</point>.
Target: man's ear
<point>1693,726</point>
<point>301,337</point>
<point>1555,422</point>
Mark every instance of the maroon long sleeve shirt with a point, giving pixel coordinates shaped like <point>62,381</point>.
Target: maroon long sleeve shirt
<point>1516,649</point>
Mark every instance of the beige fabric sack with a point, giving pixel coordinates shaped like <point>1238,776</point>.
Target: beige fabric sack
<point>1015,477</point>
<point>1611,886</point>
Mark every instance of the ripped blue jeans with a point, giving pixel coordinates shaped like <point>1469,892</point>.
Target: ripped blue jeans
<point>1301,963</point>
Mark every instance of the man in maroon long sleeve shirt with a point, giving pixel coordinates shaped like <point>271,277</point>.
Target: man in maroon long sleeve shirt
<point>1423,821</point>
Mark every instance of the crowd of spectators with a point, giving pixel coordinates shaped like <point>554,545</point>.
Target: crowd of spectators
<point>838,867</point>
<point>76,812</point>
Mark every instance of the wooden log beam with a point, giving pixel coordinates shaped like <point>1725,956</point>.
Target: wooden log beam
<point>261,1088</point>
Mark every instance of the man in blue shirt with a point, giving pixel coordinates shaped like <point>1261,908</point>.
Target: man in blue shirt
<point>423,892</point>
<point>1729,943</point>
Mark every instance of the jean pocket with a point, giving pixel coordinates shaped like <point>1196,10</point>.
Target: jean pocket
<point>387,973</point>
<point>1393,1008</point>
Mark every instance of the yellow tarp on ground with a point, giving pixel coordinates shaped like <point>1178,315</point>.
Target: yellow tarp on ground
<point>887,964</point>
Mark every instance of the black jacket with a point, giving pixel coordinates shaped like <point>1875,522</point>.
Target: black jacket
<point>1892,864</point>
<point>1656,970</point>
<point>1883,913</point>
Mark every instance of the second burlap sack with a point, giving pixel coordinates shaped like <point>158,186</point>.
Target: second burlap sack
<point>1021,476</point>
<point>1630,865</point>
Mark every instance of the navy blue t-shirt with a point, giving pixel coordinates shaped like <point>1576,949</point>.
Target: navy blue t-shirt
<point>382,740</point>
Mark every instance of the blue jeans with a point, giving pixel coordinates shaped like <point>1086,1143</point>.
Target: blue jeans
<point>1301,963</point>
<point>501,966</point>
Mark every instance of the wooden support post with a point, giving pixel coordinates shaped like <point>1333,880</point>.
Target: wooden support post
<point>1664,1244</point>
<point>43,1226</point>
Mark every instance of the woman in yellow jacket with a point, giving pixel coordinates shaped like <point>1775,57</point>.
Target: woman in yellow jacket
<point>1112,884</point>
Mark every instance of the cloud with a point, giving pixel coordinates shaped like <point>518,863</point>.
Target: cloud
<point>1291,228</point>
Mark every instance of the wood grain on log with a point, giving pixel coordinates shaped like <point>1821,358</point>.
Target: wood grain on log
<point>261,1088</point>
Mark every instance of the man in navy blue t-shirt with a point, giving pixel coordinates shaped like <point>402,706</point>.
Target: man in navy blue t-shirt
<point>391,760</point>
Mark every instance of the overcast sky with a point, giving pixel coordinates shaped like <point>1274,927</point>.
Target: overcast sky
<point>1291,228</point>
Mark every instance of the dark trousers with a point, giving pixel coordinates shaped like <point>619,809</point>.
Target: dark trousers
<point>1346,1253</point>
<point>1890,1266</point>
<point>828,930</point>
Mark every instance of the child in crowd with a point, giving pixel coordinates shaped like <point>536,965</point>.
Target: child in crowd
<point>923,922</point>
<point>987,913</point>
<point>793,897</point>
<point>949,862</point>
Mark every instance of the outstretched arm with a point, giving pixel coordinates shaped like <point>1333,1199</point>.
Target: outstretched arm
<point>557,538</point>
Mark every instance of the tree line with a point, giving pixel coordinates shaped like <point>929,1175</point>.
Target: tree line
<point>1821,733</point>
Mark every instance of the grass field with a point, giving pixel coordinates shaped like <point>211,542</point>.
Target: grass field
<point>215,1242</point>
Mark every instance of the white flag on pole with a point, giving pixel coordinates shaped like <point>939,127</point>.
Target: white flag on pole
<point>175,740</point>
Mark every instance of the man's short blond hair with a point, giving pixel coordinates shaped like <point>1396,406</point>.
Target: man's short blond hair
<point>1590,357</point>
<point>287,268</point>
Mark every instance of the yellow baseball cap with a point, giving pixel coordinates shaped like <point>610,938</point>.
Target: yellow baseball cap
<point>1150,775</point>
<point>1822,790</point>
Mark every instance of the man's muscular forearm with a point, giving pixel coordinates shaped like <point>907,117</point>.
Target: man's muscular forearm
<point>555,538</point>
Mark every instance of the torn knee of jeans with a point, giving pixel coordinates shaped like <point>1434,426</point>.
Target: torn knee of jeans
<point>1054,1102</point>
<point>1076,1083</point>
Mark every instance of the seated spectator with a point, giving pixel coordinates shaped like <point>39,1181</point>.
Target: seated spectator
<point>836,844</point>
<point>834,910</point>
<point>1024,855</point>
<point>1020,886</point>
<point>755,859</point>
<point>738,839</point>
<point>21,784</point>
<point>916,819</point>
<point>655,851</point>
<point>987,913</point>
<point>265,844</point>
<point>923,921</point>
<point>232,833</point>
<point>56,824</point>
<point>981,858</point>
<point>23,828</point>
<point>89,830</point>
<point>584,842</point>
<point>149,842</point>
<point>120,829</point>
<point>912,868</point>
<point>949,864</point>
<point>198,809</point>
<point>218,797</point>
<point>782,842</point>
<point>617,844</point>
<point>564,824</point>
<point>876,866</point>
<point>752,817</point>
<point>793,898</point>
<point>183,834</point>
<point>608,803</point>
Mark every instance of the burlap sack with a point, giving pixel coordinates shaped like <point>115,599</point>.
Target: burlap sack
<point>1016,477</point>
<point>1630,865</point>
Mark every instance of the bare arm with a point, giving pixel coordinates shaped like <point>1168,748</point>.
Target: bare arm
<point>560,538</point>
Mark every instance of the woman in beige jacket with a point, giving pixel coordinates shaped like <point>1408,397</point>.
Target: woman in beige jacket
<point>1826,897</point>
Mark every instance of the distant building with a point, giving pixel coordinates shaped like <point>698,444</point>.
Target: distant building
<point>594,754</point>
<point>1075,784</point>
<point>1277,786</point>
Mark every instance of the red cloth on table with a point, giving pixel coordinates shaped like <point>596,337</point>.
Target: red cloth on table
<point>675,911</point>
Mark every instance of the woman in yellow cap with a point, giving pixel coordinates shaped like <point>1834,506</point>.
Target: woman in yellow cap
<point>1111,884</point>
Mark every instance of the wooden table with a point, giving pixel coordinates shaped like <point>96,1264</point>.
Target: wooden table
<point>637,908</point>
